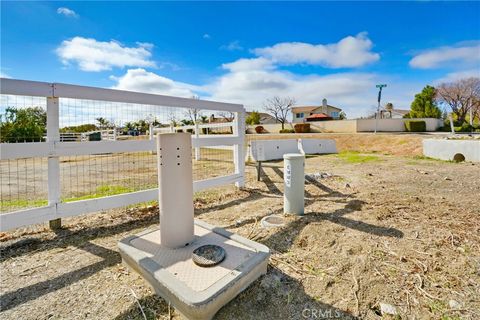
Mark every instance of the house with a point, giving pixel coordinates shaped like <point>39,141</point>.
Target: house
<point>265,118</point>
<point>393,113</point>
<point>315,113</point>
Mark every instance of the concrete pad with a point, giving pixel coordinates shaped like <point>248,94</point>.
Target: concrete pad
<point>446,149</point>
<point>317,146</point>
<point>196,292</point>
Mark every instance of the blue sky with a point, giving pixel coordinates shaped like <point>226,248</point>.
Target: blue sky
<point>246,52</point>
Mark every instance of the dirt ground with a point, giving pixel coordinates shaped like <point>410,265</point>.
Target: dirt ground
<point>399,230</point>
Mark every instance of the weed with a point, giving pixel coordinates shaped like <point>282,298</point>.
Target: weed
<point>356,157</point>
<point>8,205</point>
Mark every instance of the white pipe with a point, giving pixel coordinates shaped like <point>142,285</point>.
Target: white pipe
<point>175,185</point>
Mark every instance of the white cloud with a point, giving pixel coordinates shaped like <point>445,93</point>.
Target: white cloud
<point>250,81</point>
<point>352,91</point>
<point>453,76</point>
<point>143,81</point>
<point>348,52</point>
<point>206,36</point>
<point>232,46</point>
<point>248,64</point>
<point>67,12</point>
<point>93,55</point>
<point>4,75</point>
<point>466,54</point>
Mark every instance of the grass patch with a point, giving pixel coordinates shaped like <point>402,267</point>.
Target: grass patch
<point>357,157</point>
<point>432,159</point>
<point>8,205</point>
<point>102,191</point>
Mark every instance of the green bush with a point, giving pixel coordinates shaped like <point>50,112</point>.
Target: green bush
<point>466,127</point>
<point>287,131</point>
<point>302,128</point>
<point>444,128</point>
<point>415,126</point>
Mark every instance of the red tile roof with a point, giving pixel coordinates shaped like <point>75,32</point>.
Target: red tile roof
<point>319,116</point>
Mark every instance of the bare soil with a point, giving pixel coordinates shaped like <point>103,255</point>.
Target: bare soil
<point>391,229</point>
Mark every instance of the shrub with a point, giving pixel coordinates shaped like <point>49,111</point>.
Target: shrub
<point>466,127</point>
<point>287,131</point>
<point>253,118</point>
<point>302,128</point>
<point>259,129</point>
<point>445,129</point>
<point>415,126</point>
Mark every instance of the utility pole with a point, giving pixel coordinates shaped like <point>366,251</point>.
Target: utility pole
<point>379,86</point>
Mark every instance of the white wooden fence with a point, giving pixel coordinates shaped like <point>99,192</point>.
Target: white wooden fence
<point>54,148</point>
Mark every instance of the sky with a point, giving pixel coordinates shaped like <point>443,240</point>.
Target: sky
<point>246,52</point>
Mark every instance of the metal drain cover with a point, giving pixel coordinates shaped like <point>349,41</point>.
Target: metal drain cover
<point>208,255</point>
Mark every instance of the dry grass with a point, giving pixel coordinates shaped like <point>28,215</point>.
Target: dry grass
<point>394,144</point>
<point>400,230</point>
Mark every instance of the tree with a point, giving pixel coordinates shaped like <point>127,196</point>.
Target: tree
<point>23,124</point>
<point>227,115</point>
<point>461,96</point>
<point>342,116</point>
<point>103,123</point>
<point>279,108</point>
<point>425,105</point>
<point>253,118</point>
<point>187,122</point>
<point>204,119</point>
<point>80,128</point>
<point>172,118</point>
<point>389,108</point>
<point>193,113</point>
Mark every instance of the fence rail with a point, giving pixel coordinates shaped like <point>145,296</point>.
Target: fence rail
<point>56,147</point>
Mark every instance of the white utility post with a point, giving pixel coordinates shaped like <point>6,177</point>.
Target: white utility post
<point>451,123</point>
<point>197,134</point>
<point>53,136</point>
<point>175,186</point>
<point>294,180</point>
<point>238,149</point>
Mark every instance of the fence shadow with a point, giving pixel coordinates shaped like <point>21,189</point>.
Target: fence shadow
<point>278,240</point>
<point>65,237</point>
<point>20,296</point>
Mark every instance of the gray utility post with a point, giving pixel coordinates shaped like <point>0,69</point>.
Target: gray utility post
<point>379,86</point>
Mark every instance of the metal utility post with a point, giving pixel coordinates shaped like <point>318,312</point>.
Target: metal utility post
<point>379,86</point>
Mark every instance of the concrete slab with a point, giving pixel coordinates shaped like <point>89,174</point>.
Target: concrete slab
<point>196,292</point>
<point>446,149</point>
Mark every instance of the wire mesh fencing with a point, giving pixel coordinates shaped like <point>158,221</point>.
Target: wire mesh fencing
<point>24,181</point>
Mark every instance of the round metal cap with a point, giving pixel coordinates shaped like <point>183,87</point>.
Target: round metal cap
<point>208,255</point>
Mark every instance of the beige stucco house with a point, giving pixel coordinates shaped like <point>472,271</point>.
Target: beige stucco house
<point>315,113</point>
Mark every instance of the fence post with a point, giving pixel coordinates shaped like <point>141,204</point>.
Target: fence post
<point>197,149</point>
<point>238,149</point>
<point>53,136</point>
